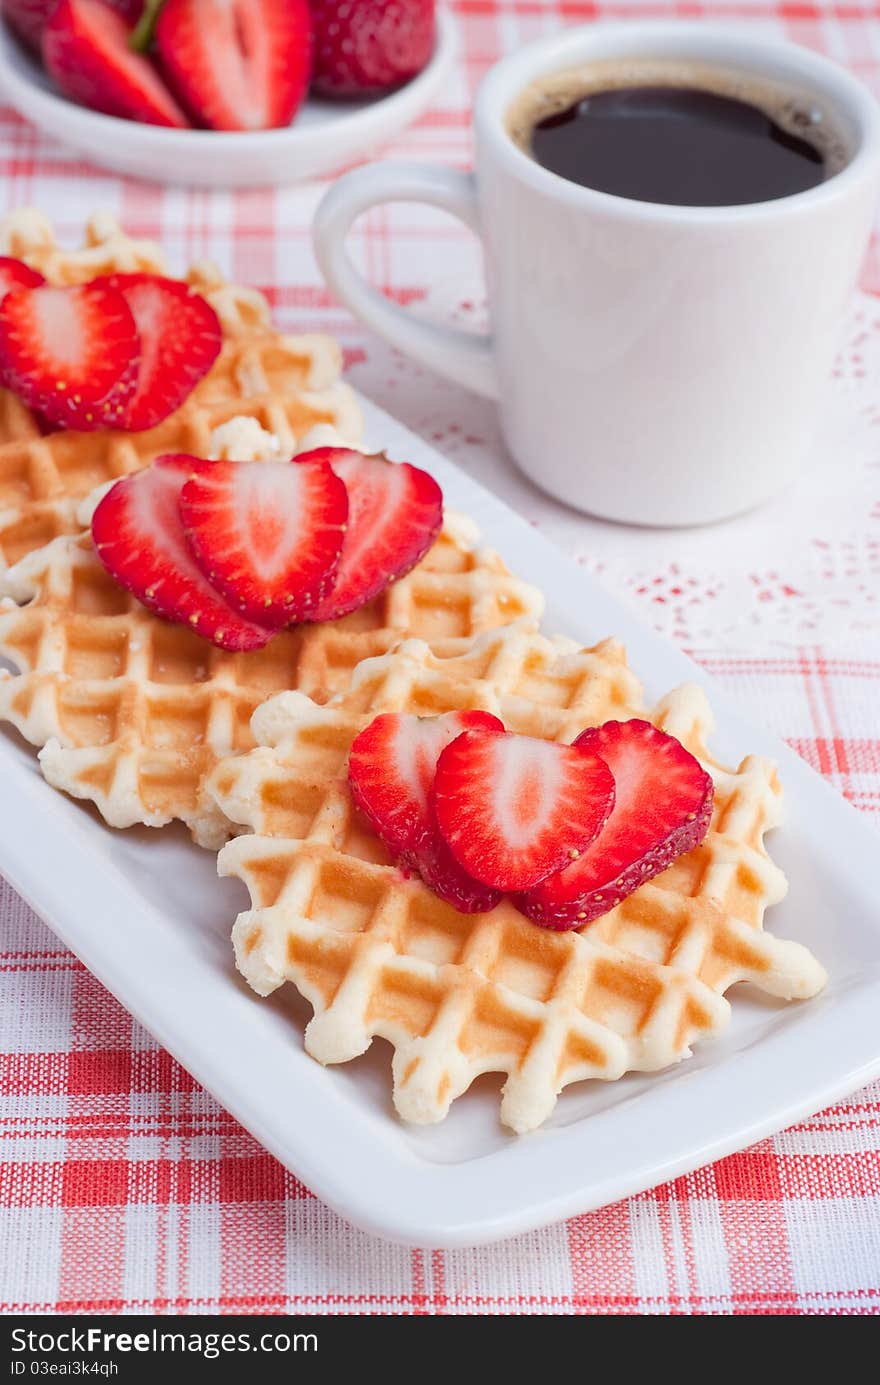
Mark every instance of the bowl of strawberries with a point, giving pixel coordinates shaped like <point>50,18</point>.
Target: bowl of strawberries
<point>225,93</point>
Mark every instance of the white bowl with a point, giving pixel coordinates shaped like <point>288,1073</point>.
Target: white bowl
<point>323,136</point>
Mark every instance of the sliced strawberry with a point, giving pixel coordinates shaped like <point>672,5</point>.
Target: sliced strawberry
<point>139,539</point>
<point>71,354</point>
<point>662,809</point>
<point>237,64</point>
<point>513,809</point>
<point>86,51</point>
<point>267,535</point>
<point>15,274</point>
<point>391,770</point>
<point>180,337</point>
<point>395,512</point>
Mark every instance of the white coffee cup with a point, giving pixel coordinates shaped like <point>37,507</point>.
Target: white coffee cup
<point>653,364</point>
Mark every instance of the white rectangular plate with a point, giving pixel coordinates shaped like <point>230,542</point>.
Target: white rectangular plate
<point>146,913</point>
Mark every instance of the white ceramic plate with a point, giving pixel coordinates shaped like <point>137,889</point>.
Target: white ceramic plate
<point>146,913</point>
<point>324,135</point>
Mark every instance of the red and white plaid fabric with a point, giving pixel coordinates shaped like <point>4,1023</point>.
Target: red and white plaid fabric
<point>123,1186</point>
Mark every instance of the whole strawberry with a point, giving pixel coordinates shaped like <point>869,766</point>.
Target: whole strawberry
<point>363,47</point>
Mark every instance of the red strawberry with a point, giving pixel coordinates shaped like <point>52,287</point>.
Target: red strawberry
<point>394,515</point>
<point>71,354</point>
<point>28,18</point>
<point>266,534</point>
<point>86,51</point>
<point>662,809</point>
<point>237,64</point>
<point>391,769</point>
<point>368,46</point>
<point>139,539</point>
<point>513,809</point>
<point>15,274</point>
<point>180,337</point>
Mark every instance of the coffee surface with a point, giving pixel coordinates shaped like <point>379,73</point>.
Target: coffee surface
<point>677,145</point>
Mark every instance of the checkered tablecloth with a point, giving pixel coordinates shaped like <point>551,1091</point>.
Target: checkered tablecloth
<point>123,1186</point>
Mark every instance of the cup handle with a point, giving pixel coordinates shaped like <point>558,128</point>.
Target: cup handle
<point>462,356</point>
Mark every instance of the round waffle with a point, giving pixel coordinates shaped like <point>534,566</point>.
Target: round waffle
<point>288,384</point>
<point>132,712</point>
<point>458,995</point>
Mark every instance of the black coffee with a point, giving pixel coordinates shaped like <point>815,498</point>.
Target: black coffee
<point>680,145</point>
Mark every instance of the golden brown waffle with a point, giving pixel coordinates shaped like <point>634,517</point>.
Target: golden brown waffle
<point>289,384</point>
<point>106,249</point>
<point>458,995</point>
<point>133,712</point>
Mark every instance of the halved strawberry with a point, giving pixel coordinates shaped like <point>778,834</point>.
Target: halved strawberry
<point>662,809</point>
<point>139,539</point>
<point>395,512</point>
<point>513,809</point>
<point>15,274</point>
<point>70,353</point>
<point>391,770</point>
<point>267,535</point>
<point>180,337</point>
<point>237,64</point>
<point>86,50</point>
<point>28,17</point>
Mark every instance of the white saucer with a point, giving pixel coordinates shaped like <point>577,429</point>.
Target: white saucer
<point>324,136</point>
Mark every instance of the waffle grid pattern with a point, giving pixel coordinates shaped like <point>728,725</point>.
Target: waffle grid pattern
<point>132,712</point>
<point>459,996</point>
<point>289,384</point>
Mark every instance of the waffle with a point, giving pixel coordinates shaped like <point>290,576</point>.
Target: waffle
<point>456,995</point>
<point>289,384</point>
<point>132,712</point>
